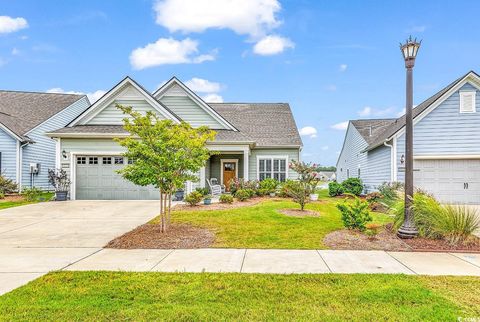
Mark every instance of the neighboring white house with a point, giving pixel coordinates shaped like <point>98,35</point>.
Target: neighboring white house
<point>254,140</point>
<point>446,145</point>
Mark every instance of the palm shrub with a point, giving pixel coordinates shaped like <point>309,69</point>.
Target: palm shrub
<point>353,186</point>
<point>457,223</point>
<point>335,189</point>
<point>355,215</point>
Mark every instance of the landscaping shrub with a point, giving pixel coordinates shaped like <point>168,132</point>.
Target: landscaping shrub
<point>193,198</point>
<point>2,195</point>
<point>372,230</point>
<point>282,188</point>
<point>240,184</point>
<point>226,199</point>
<point>335,189</point>
<point>202,191</point>
<point>353,186</point>
<point>390,191</point>
<point>374,197</point>
<point>457,223</point>
<point>269,185</point>
<point>298,192</point>
<point>31,194</point>
<point>242,195</point>
<point>7,185</point>
<point>375,203</point>
<point>251,192</point>
<point>355,215</point>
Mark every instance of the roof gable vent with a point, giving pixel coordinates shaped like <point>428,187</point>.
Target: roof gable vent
<point>467,102</point>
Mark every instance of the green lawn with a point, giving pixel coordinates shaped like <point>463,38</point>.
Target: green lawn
<point>4,204</point>
<point>262,226</point>
<point>80,296</point>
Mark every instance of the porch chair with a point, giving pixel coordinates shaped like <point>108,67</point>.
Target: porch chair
<point>215,188</point>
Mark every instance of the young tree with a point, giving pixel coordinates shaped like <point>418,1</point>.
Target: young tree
<point>306,184</point>
<point>165,154</point>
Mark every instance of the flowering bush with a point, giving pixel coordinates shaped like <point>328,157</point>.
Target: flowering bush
<point>239,184</point>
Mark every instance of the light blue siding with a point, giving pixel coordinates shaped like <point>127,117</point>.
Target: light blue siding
<point>8,148</point>
<point>291,154</point>
<point>351,158</point>
<point>445,131</point>
<point>43,150</point>
<point>190,112</point>
<point>373,167</point>
<point>111,115</point>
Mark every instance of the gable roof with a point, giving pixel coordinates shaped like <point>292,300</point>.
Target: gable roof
<point>20,112</point>
<point>254,122</point>
<point>103,101</point>
<point>267,124</point>
<point>197,99</point>
<point>399,123</point>
<point>369,129</point>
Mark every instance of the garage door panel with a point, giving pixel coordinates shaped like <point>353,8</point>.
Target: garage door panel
<point>446,179</point>
<point>100,181</point>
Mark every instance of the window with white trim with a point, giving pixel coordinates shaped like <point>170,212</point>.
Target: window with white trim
<point>467,102</point>
<point>271,167</point>
<point>81,160</point>
<point>118,160</point>
<point>107,160</point>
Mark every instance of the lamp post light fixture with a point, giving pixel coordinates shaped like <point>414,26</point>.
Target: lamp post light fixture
<point>409,51</point>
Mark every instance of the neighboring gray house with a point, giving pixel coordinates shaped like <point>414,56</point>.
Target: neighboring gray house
<point>25,117</point>
<point>446,145</point>
<point>254,140</point>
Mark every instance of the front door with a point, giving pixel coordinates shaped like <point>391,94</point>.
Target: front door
<point>229,172</point>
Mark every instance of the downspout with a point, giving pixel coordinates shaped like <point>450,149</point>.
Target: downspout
<point>392,159</point>
<point>20,164</point>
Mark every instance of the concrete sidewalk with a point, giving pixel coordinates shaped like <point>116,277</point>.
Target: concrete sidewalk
<point>21,265</point>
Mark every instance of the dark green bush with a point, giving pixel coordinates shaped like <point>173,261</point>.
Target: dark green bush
<point>242,195</point>
<point>355,215</point>
<point>353,186</point>
<point>202,191</point>
<point>269,184</point>
<point>335,189</point>
<point>193,198</point>
<point>226,199</point>
<point>263,192</point>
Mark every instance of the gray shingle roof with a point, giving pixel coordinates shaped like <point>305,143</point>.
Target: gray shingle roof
<point>399,123</point>
<point>22,111</point>
<point>370,129</point>
<point>265,124</point>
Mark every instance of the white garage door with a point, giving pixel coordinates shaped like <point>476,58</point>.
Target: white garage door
<point>450,181</point>
<point>96,179</point>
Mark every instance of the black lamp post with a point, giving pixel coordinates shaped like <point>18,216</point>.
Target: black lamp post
<point>409,51</point>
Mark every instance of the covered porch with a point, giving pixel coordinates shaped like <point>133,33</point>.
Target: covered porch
<point>228,162</point>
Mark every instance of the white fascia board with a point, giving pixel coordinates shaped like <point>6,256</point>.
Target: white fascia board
<point>9,132</point>
<point>108,98</point>
<point>159,93</point>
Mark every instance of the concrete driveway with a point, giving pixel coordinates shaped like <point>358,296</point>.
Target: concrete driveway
<point>39,238</point>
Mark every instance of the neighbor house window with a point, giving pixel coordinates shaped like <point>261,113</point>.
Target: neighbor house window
<point>81,160</point>
<point>272,167</point>
<point>92,160</point>
<point>467,102</point>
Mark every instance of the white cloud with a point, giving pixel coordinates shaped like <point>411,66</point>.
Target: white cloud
<point>309,131</point>
<point>9,24</point>
<point>15,51</point>
<point>203,85</point>
<point>244,17</point>
<point>343,67</point>
<point>324,148</point>
<point>366,111</point>
<point>331,88</point>
<point>272,45</point>
<point>93,96</point>
<point>340,126</point>
<point>213,98</point>
<point>168,51</point>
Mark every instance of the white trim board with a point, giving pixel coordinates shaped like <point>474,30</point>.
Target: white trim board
<point>159,93</point>
<point>110,97</point>
<point>222,161</point>
<point>448,157</point>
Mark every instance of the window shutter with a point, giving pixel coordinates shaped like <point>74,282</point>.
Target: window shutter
<point>467,102</point>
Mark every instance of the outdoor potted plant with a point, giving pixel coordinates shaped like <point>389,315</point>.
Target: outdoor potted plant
<point>58,178</point>
<point>207,199</point>
<point>179,194</point>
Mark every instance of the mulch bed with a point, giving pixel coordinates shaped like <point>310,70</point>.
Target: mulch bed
<point>299,213</point>
<point>388,240</point>
<point>222,206</point>
<point>12,198</point>
<point>177,236</point>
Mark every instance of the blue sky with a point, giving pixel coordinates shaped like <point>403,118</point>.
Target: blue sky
<point>331,60</point>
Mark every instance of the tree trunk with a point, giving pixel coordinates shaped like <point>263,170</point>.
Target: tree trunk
<point>165,212</point>
<point>162,219</point>
<point>169,207</point>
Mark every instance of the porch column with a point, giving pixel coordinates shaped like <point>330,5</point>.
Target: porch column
<point>246,159</point>
<point>202,177</point>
